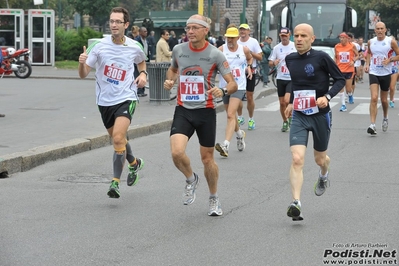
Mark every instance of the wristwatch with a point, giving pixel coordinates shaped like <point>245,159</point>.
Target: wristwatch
<point>143,71</point>
<point>224,91</point>
<point>328,96</point>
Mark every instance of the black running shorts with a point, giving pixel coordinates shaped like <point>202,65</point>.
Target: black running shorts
<point>110,113</point>
<point>203,121</point>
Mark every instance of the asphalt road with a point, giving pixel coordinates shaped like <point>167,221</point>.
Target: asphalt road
<point>59,214</point>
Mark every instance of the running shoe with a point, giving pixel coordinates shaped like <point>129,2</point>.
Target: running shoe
<point>214,207</point>
<point>385,124</point>
<point>113,191</point>
<point>241,141</point>
<point>343,108</point>
<point>222,149</point>
<point>133,176</point>
<point>189,191</point>
<point>321,185</point>
<point>241,120</point>
<point>294,211</point>
<point>251,124</point>
<point>372,130</point>
<point>289,121</point>
<point>392,104</point>
<point>285,126</point>
<point>351,101</point>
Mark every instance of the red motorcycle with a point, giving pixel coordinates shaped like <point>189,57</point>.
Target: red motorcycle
<point>17,61</point>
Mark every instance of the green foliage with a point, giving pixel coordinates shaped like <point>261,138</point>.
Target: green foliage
<point>191,5</point>
<point>69,44</point>
<point>388,10</point>
<point>99,10</point>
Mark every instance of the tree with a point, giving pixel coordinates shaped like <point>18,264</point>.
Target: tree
<point>192,5</point>
<point>388,10</point>
<point>99,11</point>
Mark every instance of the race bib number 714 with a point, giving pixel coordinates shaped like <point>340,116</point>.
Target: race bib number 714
<point>192,88</point>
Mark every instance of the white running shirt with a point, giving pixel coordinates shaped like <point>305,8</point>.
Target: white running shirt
<point>380,51</point>
<point>238,63</point>
<point>280,51</point>
<point>115,70</point>
<point>357,62</point>
<point>254,47</point>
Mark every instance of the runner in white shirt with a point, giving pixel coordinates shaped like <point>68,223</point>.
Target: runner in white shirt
<point>256,52</point>
<point>379,66</point>
<point>116,90</point>
<point>394,79</point>
<point>240,60</point>
<point>363,49</point>
<point>357,63</point>
<point>277,59</point>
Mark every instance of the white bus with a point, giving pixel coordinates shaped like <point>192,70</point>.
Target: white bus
<point>327,17</point>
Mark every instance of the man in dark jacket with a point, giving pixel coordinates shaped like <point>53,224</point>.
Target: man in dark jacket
<point>267,50</point>
<point>142,39</point>
<point>151,45</point>
<point>172,40</point>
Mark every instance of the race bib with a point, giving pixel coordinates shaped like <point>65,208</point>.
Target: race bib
<point>236,73</point>
<point>305,102</point>
<point>377,61</point>
<point>344,57</point>
<point>114,74</point>
<point>192,88</point>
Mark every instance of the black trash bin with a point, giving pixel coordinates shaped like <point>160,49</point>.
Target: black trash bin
<point>156,78</point>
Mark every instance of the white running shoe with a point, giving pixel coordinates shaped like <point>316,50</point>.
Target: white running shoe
<point>214,207</point>
<point>241,141</point>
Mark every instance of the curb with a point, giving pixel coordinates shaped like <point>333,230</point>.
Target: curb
<point>24,161</point>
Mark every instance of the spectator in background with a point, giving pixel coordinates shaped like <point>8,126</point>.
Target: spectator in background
<point>172,40</point>
<point>163,52</point>
<point>134,32</point>
<point>182,38</point>
<point>142,39</point>
<point>219,42</point>
<point>151,45</point>
<point>212,40</point>
<point>267,50</point>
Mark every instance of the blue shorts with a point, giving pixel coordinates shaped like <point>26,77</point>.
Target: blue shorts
<point>319,124</point>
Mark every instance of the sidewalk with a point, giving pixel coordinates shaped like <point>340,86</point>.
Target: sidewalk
<point>52,115</point>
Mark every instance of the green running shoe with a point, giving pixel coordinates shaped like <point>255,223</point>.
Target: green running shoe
<point>251,124</point>
<point>133,176</point>
<point>113,191</point>
<point>240,120</point>
<point>285,127</point>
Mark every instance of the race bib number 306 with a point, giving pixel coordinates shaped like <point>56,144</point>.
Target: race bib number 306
<point>192,88</point>
<point>305,102</point>
<point>114,74</point>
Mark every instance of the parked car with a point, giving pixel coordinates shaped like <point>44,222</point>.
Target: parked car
<point>330,51</point>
